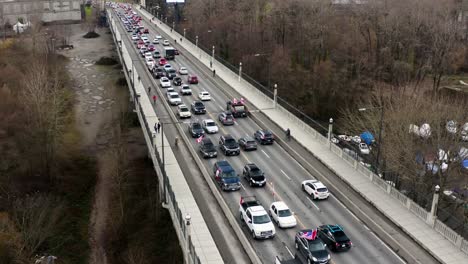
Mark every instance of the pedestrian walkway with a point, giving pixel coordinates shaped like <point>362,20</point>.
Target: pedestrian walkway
<point>409,218</point>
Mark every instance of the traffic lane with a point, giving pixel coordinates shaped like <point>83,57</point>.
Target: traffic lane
<point>234,247</point>
<point>238,165</point>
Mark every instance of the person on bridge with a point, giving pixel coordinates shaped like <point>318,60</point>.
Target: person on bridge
<point>288,134</point>
<point>176,141</point>
<point>149,89</point>
<point>154,99</point>
<point>214,73</point>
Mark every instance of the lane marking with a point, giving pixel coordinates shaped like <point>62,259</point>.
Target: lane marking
<point>242,186</point>
<point>289,251</point>
<point>265,154</point>
<point>285,175</point>
<point>349,211</point>
<point>313,203</point>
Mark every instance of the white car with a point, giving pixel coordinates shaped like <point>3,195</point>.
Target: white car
<point>135,37</point>
<point>281,215</point>
<point>166,42</point>
<point>316,189</point>
<point>185,90</point>
<point>145,39</point>
<point>170,90</point>
<point>183,71</point>
<point>150,62</point>
<point>174,98</point>
<point>155,41</point>
<point>165,82</point>
<point>183,111</point>
<point>167,66</point>
<point>158,37</point>
<point>148,55</point>
<point>210,126</point>
<point>204,96</point>
<point>364,149</point>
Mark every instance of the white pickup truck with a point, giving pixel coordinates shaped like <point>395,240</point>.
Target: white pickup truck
<point>256,218</point>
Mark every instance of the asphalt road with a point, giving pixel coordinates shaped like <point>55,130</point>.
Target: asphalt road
<point>284,175</point>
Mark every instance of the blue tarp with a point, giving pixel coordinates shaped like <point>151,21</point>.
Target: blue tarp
<point>465,164</point>
<point>367,137</point>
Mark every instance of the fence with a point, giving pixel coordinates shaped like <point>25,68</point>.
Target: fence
<point>316,130</point>
<point>147,116</point>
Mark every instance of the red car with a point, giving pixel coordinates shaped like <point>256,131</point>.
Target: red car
<point>146,31</point>
<point>192,79</point>
<point>140,42</point>
<point>151,47</point>
<point>139,46</point>
<point>162,61</point>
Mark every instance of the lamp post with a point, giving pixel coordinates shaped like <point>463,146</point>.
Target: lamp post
<point>188,222</point>
<point>330,131</point>
<point>240,71</point>
<point>212,56</point>
<point>435,203</point>
<point>184,33</point>
<point>275,95</point>
<point>377,160</point>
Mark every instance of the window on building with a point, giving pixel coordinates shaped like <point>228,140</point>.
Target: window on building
<point>46,6</point>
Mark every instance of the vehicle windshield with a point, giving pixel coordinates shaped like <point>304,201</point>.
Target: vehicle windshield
<point>230,141</point>
<point>209,145</point>
<point>316,246</point>
<point>256,172</point>
<point>239,108</point>
<point>174,96</point>
<point>171,70</point>
<point>199,104</point>
<point>261,219</point>
<point>185,87</point>
<point>231,174</point>
<point>268,134</point>
<point>251,142</point>
<point>184,109</point>
<point>210,124</point>
<point>322,190</point>
<point>284,213</point>
<point>196,126</point>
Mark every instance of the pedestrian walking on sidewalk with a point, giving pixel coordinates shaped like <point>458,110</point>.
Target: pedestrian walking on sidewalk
<point>211,64</point>
<point>288,134</point>
<point>176,141</point>
<point>214,73</point>
<point>154,99</point>
<point>180,39</point>
<point>175,41</point>
<point>159,126</point>
<point>149,89</point>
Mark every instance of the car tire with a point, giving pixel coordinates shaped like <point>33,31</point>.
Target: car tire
<point>240,217</point>
<point>253,235</point>
<point>309,261</point>
<point>303,187</point>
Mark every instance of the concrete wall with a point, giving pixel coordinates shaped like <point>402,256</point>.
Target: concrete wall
<point>46,10</point>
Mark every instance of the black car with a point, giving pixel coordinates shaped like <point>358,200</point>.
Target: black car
<point>177,81</point>
<point>198,107</point>
<point>196,130</point>
<point>264,136</point>
<point>158,73</point>
<point>226,118</point>
<point>229,145</point>
<point>248,143</point>
<point>171,74</point>
<point>334,237</point>
<point>254,175</point>
<point>208,149</point>
<point>311,248</point>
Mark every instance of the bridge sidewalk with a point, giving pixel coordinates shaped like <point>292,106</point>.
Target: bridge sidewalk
<point>431,240</point>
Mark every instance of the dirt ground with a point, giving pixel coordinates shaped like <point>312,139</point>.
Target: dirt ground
<point>99,102</point>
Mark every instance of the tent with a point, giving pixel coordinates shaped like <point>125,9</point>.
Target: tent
<point>367,137</point>
<point>465,164</point>
<point>20,28</point>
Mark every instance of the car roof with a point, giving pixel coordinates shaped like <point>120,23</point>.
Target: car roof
<point>228,136</point>
<point>204,92</point>
<point>172,93</point>
<point>248,138</point>
<point>316,183</point>
<point>207,140</point>
<point>208,120</point>
<point>182,105</point>
<point>280,205</point>
<point>251,165</point>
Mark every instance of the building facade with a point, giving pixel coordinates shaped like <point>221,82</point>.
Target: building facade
<point>46,10</point>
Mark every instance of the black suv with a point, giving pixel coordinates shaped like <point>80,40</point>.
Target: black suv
<point>196,130</point>
<point>198,107</point>
<point>229,145</point>
<point>334,237</point>
<point>208,149</point>
<point>171,73</point>
<point>264,136</point>
<point>254,175</point>
<point>158,73</point>
<point>312,248</point>
<point>177,81</point>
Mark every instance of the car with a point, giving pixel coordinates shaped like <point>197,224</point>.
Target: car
<point>135,37</point>
<point>183,111</point>
<point>173,98</point>
<point>156,54</point>
<point>248,143</point>
<point>364,149</point>
<point>282,215</point>
<point>198,107</point>
<point>256,218</point>
<point>315,188</point>
<point>334,237</point>
<point>183,71</point>
<point>185,90</point>
<point>309,245</point>
<point>149,62</point>
<point>192,79</point>
<point>225,175</point>
<point>177,81</point>
<point>171,73</point>
<point>143,50</point>
<point>176,52</point>
<point>167,66</point>
<point>140,42</point>
<point>155,41</point>
<point>148,55</point>
<point>162,61</point>
<point>146,31</point>
<point>207,148</point>
<point>254,175</point>
<point>210,126</point>
<point>158,73</point>
<point>264,136</point>
<point>196,130</point>
<point>165,82</point>
<point>226,118</point>
<point>165,42</point>
<point>151,47</point>
<point>204,96</point>
<point>141,46</point>
<point>145,39</point>
<point>170,90</point>
<point>229,145</point>
<point>158,37</point>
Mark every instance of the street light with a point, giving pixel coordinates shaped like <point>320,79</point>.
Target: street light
<point>435,203</point>
<point>377,163</point>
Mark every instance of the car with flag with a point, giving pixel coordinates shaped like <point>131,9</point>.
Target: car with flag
<point>256,218</point>
<point>226,176</point>
<point>316,189</point>
<point>237,107</point>
<point>207,148</point>
<point>334,237</point>
<point>309,245</point>
<point>196,130</point>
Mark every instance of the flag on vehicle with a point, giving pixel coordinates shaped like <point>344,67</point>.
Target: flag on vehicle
<point>310,235</point>
<point>200,139</point>
<point>241,200</point>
